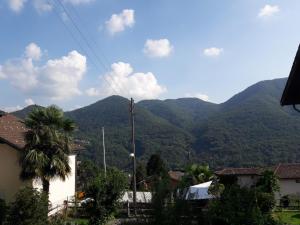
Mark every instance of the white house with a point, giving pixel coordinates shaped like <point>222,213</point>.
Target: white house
<point>12,132</point>
<point>288,175</point>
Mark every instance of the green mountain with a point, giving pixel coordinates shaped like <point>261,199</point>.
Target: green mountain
<point>251,128</point>
<point>153,133</point>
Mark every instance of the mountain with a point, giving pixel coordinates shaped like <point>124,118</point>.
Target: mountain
<point>251,128</point>
<point>153,133</point>
<point>24,112</point>
<point>184,112</point>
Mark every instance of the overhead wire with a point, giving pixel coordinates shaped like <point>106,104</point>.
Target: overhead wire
<point>114,85</point>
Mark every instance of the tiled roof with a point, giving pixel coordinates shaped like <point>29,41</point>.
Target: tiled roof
<point>12,131</point>
<point>288,171</point>
<point>240,171</point>
<point>282,171</point>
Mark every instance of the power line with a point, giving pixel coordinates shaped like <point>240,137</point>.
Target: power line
<point>89,46</point>
<point>81,46</point>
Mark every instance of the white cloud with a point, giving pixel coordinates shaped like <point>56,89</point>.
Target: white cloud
<point>118,22</point>
<point>213,51</point>
<point>42,6</point>
<point>268,10</point>
<point>29,101</point>
<point>158,48</point>
<point>78,2</point>
<point>197,95</point>
<point>16,5</point>
<point>33,51</point>
<point>11,108</point>
<point>123,81</point>
<point>2,75</point>
<point>56,79</point>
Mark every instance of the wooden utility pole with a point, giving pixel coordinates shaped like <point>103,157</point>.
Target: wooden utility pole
<point>133,153</point>
<point>103,144</point>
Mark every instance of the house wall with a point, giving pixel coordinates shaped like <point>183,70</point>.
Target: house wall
<point>247,181</point>
<point>10,170</point>
<point>288,187</point>
<point>60,190</point>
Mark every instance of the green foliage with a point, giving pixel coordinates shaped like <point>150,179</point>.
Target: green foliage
<point>105,191</point>
<point>3,211</point>
<point>30,207</point>
<point>242,205</point>
<point>87,171</point>
<point>48,144</point>
<point>196,174</point>
<point>250,129</point>
<point>156,166</point>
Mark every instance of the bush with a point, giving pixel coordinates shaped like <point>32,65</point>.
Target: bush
<point>30,207</point>
<point>3,211</point>
<point>105,192</point>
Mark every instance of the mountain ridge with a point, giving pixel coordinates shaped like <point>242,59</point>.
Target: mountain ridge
<point>249,129</point>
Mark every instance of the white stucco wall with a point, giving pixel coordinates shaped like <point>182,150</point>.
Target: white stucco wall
<point>288,187</point>
<point>247,180</point>
<point>61,190</point>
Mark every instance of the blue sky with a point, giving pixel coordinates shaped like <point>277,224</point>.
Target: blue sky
<point>144,49</point>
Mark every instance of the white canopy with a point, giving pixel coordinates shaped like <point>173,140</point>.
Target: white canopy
<point>199,191</point>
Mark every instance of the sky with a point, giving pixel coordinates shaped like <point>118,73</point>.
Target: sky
<point>75,52</point>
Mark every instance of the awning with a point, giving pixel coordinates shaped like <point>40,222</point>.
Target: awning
<point>199,191</point>
<point>291,94</point>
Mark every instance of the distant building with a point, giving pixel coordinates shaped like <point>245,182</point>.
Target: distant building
<point>288,175</point>
<point>12,142</point>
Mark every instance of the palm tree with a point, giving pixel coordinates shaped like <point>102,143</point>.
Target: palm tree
<point>196,174</point>
<point>47,146</point>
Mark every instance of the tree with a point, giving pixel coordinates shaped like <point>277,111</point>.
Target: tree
<point>48,144</point>
<point>156,166</point>
<point>196,174</point>
<point>105,193</point>
<point>3,211</point>
<point>30,207</point>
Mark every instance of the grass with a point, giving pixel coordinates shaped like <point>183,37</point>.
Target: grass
<point>288,217</point>
<point>79,221</point>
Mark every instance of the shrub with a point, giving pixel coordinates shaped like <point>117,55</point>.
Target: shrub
<point>3,211</point>
<point>30,207</point>
<point>105,192</point>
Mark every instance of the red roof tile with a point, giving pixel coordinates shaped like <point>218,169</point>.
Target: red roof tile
<point>12,131</point>
<point>240,171</point>
<point>288,171</point>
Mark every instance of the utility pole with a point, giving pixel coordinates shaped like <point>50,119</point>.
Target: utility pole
<point>133,153</point>
<point>103,144</point>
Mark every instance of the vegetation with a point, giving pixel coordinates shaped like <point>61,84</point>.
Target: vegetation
<point>288,217</point>
<point>242,205</point>
<point>3,211</point>
<point>249,129</point>
<point>30,207</point>
<point>47,147</point>
<point>196,174</point>
<point>105,191</point>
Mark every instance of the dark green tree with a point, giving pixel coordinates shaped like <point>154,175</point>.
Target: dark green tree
<point>3,211</point>
<point>156,166</point>
<point>196,174</point>
<point>105,191</point>
<point>30,207</point>
<point>48,144</point>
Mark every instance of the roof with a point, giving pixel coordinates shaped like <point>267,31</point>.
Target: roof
<point>282,171</point>
<point>199,191</point>
<point>176,175</point>
<point>240,171</point>
<point>291,94</point>
<point>12,131</point>
<point>288,171</point>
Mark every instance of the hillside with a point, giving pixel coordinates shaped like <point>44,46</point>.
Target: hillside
<point>251,128</point>
<point>153,134</point>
